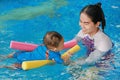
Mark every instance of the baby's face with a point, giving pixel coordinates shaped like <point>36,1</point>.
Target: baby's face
<point>61,45</point>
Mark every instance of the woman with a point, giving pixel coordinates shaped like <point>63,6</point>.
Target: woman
<point>93,37</point>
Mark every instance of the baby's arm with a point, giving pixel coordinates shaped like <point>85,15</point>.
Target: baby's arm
<point>66,58</point>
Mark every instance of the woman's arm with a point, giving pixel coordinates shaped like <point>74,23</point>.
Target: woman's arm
<point>94,57</point>
<point>91,59</point>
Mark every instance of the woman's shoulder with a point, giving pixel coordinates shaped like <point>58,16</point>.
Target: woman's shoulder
<point>101,36</point>
<point>102,41</point>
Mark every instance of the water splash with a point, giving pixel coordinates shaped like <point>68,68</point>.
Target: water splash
<point>85,73</point>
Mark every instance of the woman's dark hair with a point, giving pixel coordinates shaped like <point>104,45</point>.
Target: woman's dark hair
<point>96,14</point>
<point>52,38</point>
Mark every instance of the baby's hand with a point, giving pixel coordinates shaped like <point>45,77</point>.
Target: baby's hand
<point>67,56</point>
<point>66,62</point>
<point>72,63</point>
<point>80,61</point>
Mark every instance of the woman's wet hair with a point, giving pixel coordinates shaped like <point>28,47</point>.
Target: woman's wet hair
<point>52,38</point>
<point>96,14</point>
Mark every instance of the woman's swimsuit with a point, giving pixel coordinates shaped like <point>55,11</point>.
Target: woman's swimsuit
<point>99,43</point>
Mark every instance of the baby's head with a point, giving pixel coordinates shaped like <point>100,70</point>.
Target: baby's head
<point>53,41</point>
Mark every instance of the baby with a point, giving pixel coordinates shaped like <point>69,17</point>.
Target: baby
<point>53,42</point>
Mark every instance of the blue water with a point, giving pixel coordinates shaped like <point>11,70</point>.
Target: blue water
<point>28,21</point>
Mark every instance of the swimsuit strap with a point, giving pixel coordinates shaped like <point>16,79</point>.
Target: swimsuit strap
<point>47,54</point>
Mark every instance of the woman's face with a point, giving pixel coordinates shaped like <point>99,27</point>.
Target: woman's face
<point>88,27</point>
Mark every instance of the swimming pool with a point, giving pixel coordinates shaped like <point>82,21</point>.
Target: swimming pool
<point>28,22</point>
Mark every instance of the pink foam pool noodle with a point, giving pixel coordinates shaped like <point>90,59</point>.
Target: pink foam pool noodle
<point>70,44</point>
<point>29,47</point>
<point>22,46</point>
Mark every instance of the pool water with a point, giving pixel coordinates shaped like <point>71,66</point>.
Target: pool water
<point>28,21</point>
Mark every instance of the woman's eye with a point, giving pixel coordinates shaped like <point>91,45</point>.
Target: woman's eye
<point>86,23</point>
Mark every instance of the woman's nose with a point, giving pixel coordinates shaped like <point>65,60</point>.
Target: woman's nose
<point>81,24</point>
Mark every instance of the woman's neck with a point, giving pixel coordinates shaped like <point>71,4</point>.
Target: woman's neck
<point>92,34</point>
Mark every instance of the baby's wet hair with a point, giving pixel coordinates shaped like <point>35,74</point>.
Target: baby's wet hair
<point>52,38</point>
